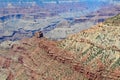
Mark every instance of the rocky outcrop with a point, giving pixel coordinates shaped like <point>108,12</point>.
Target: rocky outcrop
<point>38,34</point>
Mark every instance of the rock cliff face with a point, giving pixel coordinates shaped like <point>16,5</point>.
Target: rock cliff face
<point>92,54</point>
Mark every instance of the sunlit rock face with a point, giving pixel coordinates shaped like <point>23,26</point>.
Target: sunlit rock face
<point>56,19</point>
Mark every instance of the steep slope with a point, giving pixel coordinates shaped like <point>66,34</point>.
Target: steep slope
<point>98,48</point>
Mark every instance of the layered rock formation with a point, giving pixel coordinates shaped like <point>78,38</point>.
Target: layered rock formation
<point>92,54</point>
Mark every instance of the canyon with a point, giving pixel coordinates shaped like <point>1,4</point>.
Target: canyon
<point>60,40</point>
<point>92,54</point>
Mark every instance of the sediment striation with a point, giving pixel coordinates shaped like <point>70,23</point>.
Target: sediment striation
<point>93,54</point>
